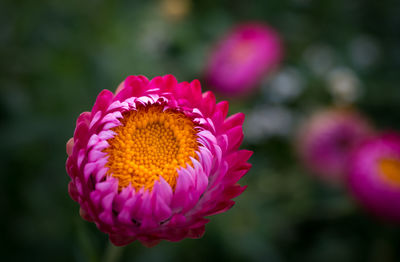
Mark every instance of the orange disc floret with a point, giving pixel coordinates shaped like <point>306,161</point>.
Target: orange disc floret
<point>151,142</point>
<point>390,171</point>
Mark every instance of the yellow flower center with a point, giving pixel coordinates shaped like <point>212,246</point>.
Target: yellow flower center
<point>151,143</point>
<point>390,171</point>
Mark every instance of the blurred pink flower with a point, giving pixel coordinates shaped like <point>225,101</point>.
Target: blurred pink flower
<point>327,139</point>
<point>242,57</point>
<point>374,175</point>
<point>151,161</point>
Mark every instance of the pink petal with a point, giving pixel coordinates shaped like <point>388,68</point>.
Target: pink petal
<point>73,192</point>
<point>233,191</point>
<point>235,137</point>
<point>220,208</point>
<point>233,121</point>
<point>208,104</point>
<point>180,198</point>
<point>121,240</point>
<point>170,83</point>
<point>195,90</point>
<point>138,84</point>
<point>103,100</point>
<point>196,232</point>
<point>85,215</point>
<point>223,107</point>
<point>70,146</point>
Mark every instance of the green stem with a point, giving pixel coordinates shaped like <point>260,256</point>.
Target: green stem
<point>112,253</point>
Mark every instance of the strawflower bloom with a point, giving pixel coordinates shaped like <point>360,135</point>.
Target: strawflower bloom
<point>374,175</point>
<point>242,58</point>
<point>153,160</point>
<point>326,140</point>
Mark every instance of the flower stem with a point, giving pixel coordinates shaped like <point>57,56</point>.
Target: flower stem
<point>112,253</point>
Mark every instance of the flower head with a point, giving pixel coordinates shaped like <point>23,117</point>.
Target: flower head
<point>374,175</point>
<point>151,161</point>
<point>241,59</point>
<point>327,139</point>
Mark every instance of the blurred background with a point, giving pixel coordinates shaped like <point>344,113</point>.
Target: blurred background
<point>56,56</point>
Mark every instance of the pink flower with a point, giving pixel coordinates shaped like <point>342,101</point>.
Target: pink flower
<point>374,175</point>
<point>151,161</point>
<point>327,139</point>
<point>241,59</point>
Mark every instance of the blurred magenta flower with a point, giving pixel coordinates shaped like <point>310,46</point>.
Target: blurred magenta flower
<point>151,161</point>
<point>242,57</point>
<point>374,175</point>
<point>327,139</point>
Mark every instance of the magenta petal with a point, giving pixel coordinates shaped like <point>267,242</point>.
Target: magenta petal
<point>162,211</point>
<point>85,215</point>
<point>124,217</point>
<point>149,243</point>
<point>234,176</point>
<point>234,191</point>
<point>110,185</point>
<point>234,121</point>
<point>104,135</point>
<point>103,100</point>
<point>80,135</point>
<point>196,94</point>
<point>178,219</point>
<point>84,118</point>
<point>96,118</point>
<point>223,142</point>
<point>101,173</point>
<point>73,192</point>
<point>221,207</point>
<point>201,183</point>
<point>95,155</point>
<point>223,107</point>
<point>125,93</point>
<point>238,157</point>
<point>199,222</point>
<point>218,120</point>
<point>235,137</point>
<point>128,209</point>
<point>93,140</point>
<point>197,232</point>
<point>155,83</point>
<point>206,160</point>
<point>162,196</point>
<point>146,213</point>
<point>132,208</point>
<point>108,201</point>
<point>95,198</point>
<point>121,240</point>
<point>208,106</point>
<point>163,190</point>
<point>180,197</point>
<point>136,84</point>
<point>106,217</point>
<point>217,178</point>
<point>122,197</point>
<point>170,83</point>
<point>88,170</point>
